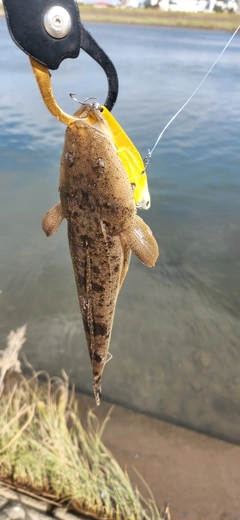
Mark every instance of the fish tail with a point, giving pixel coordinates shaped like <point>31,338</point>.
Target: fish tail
<point>97,389</point>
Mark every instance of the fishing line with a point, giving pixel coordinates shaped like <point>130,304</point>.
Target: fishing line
<point>150,152</point>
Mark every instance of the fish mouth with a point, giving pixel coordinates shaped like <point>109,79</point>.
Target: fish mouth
<point>144,204</point>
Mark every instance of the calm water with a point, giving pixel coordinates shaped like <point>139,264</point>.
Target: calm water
<point>175,343</point>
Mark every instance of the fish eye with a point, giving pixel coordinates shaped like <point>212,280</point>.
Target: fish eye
<point>99,165</point>
<point>133,185</point>
<point>69,159</point>
<point>143,172</point>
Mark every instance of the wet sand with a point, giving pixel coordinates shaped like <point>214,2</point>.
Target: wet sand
<point>198,475</point>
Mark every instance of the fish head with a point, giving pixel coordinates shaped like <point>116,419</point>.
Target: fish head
<point>102,120</point>
<point>93,174</point>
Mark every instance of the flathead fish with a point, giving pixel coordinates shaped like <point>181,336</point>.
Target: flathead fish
<point>97,199</point>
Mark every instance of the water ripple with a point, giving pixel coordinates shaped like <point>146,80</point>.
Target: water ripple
<point>186,310</point>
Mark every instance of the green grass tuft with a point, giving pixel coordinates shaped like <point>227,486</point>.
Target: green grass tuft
<point>45,449</point>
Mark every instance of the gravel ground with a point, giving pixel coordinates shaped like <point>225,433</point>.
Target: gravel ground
<point>17,506</point>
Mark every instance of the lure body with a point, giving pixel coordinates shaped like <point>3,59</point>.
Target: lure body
<point>131,159</point>
<point>97,201</point>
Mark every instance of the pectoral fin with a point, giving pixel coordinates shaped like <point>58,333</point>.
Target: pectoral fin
<point>52,219</point>
<point>126,260</point>
<point>142,243</point>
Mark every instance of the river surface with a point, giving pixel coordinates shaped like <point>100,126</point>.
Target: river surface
<point>175,341</point>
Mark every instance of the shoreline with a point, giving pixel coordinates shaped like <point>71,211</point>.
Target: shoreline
<point>157,18</point>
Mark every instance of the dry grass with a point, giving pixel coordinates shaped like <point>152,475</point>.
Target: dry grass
<point>155,17</point>
<point>45,449</point>
<point>9,357</point>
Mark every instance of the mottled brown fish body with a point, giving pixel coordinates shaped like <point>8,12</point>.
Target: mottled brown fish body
<point>103,228</point>
<point>98,206</point>
<point>92,173</point>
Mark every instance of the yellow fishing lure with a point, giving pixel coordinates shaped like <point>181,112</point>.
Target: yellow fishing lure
<point>131,159</point>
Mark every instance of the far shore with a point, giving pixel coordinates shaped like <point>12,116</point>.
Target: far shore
<point>157,18</point>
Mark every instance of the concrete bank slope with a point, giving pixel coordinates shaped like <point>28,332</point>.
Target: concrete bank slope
<point>198,475</point>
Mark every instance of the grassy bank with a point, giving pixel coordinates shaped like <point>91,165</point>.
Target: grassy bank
<point>45,451</point>
<point>157,18</point>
